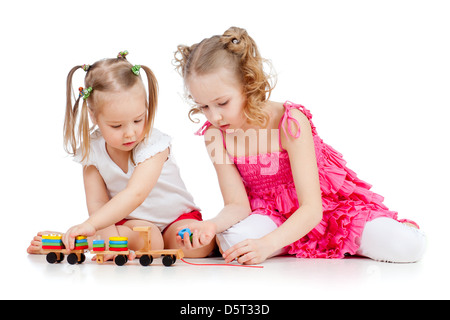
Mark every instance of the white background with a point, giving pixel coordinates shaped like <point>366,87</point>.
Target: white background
<point>375,75</point>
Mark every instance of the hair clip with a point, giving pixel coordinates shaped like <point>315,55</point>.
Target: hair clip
<point>85,93</point>
<point>135,69</point>
<point>122,54</point>
<point>85,67</point>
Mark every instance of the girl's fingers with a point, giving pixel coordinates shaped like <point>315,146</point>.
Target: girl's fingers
<point>187,241</point>
<point>236,252</point>
<point>246,258</point>
<point>195,239</point>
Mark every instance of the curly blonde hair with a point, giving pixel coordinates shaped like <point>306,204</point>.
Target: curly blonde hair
<point>237,51</point>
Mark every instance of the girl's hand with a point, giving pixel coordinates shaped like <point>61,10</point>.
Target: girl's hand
<point>203,232</point>
<point>250,251</point>
<point>84,229</point>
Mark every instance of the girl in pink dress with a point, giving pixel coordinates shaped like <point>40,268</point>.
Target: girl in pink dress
<point>285,190</point>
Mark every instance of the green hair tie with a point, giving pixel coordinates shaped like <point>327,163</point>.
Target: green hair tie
<point>85,93</point>
<point>135,69</point>
<point>122,54</point>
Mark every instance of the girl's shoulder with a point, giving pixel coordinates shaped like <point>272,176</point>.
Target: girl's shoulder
<point>280,112</point>
<point>156,142</point>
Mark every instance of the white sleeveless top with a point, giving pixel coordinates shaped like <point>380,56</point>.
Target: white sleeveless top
<point>167,200</point>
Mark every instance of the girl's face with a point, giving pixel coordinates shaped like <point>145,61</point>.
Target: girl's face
<point>219,96</point>
<point>122,118</point>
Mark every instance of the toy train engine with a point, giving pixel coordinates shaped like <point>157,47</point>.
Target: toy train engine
<point>53,246</point>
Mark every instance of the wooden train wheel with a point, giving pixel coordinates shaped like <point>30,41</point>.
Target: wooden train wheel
<point>168,260</point>
<point>145,260</point>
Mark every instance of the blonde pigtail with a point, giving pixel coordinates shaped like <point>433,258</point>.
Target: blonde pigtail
<point>152,97</point>
<point>74,135</point>
<point>84,131</point>
<point>70,140</point>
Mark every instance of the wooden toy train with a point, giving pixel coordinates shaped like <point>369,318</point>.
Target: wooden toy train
<point>118,246</point>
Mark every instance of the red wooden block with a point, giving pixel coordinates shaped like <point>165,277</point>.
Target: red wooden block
<point>81,247</point>
<point>118,249</point>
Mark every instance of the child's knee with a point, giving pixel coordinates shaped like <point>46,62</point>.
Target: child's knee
<point>254,226</point>
<point>135,241</point>
<point>412,247</point>
<point>386,239</point>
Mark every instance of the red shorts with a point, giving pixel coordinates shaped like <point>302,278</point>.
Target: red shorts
<point>195,215</point>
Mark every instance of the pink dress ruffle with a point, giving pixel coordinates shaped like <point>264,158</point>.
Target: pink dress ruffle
<point>347,200</point>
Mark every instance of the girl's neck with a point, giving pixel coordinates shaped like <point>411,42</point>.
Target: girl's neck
<point>252,139</point>
<point>274,111</point>
<point>119,157</point>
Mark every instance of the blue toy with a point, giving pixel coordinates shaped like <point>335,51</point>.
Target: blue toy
<point>183,231</point>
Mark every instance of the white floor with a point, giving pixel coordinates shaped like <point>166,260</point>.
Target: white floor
<point>31,277</point>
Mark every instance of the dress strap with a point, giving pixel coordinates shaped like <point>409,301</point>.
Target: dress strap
<point>202,130</point>
<point>287,119</point>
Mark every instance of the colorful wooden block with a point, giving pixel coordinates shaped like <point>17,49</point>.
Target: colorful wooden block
<point>118,249</point>
<point>52,247</point>
<point>118,239</point>
<point>52,236</point>
<point>118,246</point>
<point>51,240</point>
<point>118,242</point>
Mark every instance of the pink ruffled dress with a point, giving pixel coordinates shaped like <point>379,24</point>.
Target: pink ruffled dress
<point>347,200</point>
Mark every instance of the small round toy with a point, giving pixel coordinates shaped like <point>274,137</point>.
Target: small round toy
<point>183,231</point>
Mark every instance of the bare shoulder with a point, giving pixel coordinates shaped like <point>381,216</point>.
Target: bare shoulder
<point>297,122</point>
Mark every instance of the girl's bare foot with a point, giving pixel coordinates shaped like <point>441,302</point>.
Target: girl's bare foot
<point>36,244</point>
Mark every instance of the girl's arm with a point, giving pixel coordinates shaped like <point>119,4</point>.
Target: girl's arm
<point>103,212</point>
<point>306,179</point>
<point>302,157</point>
<point>95,189</point>
<point>236,204</point>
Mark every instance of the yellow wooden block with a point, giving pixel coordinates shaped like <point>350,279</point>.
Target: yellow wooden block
<point>52,236</point>
<point>118,239</point>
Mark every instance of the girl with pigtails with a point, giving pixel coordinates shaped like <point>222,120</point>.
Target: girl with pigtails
<point>130,176</point>
<point>285,191</point>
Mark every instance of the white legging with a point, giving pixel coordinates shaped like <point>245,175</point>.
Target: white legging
<point>383,239</point>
